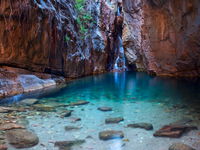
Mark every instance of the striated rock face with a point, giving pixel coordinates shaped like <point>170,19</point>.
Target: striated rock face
<point>45,36</point>
<point>162,36</point>
<point>33,36</point>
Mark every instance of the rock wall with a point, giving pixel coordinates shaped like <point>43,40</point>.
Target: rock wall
<point>162,36</point>
<point>33,36</point>
<point>46,37</point>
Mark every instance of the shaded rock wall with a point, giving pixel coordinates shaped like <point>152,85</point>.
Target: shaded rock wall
<point>45,37</point>
<point>33,36</point>
<point>162,36</point>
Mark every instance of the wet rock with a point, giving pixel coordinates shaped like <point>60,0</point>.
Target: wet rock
<point>79,103</point>
<point>21,138</point>
<point>43,107</point>
<point>111,134</point>
<point>114,120</point>
<point>29,101</point>
<point>7,109</point>
<point>67,113</point>
<point>73,120</point>
<point>66,145</point>
<point>3,147</point>
<point>174,131</point>
<point>146,126</point>
<point>105,108</point>
<point>56,104</point>
<point>69,128</point>
<point>180,146</point>
<point>9,126</point>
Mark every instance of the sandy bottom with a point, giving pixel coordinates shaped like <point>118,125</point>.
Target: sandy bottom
<point>49,126</point>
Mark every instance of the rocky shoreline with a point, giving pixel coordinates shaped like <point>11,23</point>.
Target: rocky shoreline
<point>15,81</point>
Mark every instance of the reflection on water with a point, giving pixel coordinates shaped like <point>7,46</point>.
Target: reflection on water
<point>136,97</point>
<point>126,85</point>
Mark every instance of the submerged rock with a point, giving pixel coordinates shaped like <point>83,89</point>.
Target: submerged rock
<point>73,120</point>
<point>114,120</point>
<point>174,131</point>
<point>105,108</point>
<point>180,146</point>
<point>9,126</point>
<point>69,128</point>
<point>29,101</point>
<point>7,109</point>
<point>146,126</point>
<point>43,107</point>
<point>111,134</point>
<point>67,113</point>
<point>79,103</point>
<point>21,138</point>
<point>66,145</point>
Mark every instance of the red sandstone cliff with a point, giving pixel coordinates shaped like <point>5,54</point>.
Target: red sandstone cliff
<point>162,36</point>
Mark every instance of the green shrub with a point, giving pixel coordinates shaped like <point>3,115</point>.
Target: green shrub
<point>67,38</point>
<point>84,18</point>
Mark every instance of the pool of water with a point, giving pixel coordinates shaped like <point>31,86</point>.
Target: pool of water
<point>136,97</point>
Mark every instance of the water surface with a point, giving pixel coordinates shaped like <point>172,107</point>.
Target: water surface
<point>136,97</point>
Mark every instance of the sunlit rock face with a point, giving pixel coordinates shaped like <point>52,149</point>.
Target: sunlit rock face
<point>33,36</point>
<point>16,81</point>
<point>162,36</point>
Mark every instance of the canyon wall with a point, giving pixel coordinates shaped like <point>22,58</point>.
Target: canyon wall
<point>162,36</point>
<point>45,36</point>
<point>41,39</point>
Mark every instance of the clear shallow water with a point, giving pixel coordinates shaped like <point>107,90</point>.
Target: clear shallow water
<point>136,97</point>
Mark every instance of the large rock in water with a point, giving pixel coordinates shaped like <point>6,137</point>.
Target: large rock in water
<point>66,145</point>
<point>21,138</point>
<point>174,131</point>
<point>162,36</point>
<point>111,134</point>
<point>180,146</point>
<point>114,120</point>
<point>146,126</point>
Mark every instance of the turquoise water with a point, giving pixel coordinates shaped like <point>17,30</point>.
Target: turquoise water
<point>130,86</point>
<point>136,97</point>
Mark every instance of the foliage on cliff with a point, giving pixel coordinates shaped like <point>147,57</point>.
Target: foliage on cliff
<point>84,17</point>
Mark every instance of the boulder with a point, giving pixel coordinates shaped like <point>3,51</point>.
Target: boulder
<point>69,128</point>
<point>111,134</point>
<point>81,102</point>
<point>146,126</point>
<point>66,145</point>
<point>21,138</point>
<point>67,113</point>
<point>105,108</point>
<point>180,146</point>
<point>114,120</point>
<point>174,131</point>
